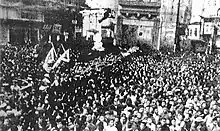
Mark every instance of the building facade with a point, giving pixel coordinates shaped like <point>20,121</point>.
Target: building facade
<point>23,20</point>
<point>139,21</point>
<point>206,14</point>
<point>19,23</point>
<point>194,31</point>
<point>131,22</point>
<point>211,8</point>
<point>169,17</point>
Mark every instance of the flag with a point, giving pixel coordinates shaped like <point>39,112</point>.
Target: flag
<point>64,57</point>
<point>50,58</point>
<point>57,28</point>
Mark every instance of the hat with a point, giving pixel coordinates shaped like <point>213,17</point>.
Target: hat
<point>2,113</point>
<point>107,112</point>
<point>3,105</point>
<point>129,108</point>
<point>144,121</point>
<point>199,119</point>
<point>29,78</point>
<point>5,84</point>
<point>43,88</point>
<point>8,108</point>
<point>46,75</point>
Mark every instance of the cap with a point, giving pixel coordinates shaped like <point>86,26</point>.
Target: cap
<point>199,119</point>
<point>144,121</point>
<point>46,75</point>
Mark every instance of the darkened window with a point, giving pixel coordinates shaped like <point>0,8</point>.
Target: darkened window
<point>195,33</point>
<point>12,1</point>
<point>190,32</point>
<point>29,15</point>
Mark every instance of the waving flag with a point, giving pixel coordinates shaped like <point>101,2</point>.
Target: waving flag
<point>64,57</point>
<point>50,58</point>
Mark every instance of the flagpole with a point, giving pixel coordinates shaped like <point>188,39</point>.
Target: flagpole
<point>176,40</point>
<point>53,48</point>
<point>63,47</point>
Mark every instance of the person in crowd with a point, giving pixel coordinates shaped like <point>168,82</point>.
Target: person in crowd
<point>143,91</point>
<point>163,125</point>
<point>111,126</point>
<point>143,126</point>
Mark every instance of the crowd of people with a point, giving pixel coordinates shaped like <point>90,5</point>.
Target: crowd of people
<point>139,92</point>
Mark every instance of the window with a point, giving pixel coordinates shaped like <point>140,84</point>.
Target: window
<point>12,1</point>
<point>195,32</point>
<point>29,15</point>
<point>218,12</point>
<point>214,2</point>
<point>190,32</point>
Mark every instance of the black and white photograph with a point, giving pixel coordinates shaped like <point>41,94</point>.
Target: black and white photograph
<point>109,65</point>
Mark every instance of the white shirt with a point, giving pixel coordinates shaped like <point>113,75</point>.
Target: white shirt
<point>108,128</point>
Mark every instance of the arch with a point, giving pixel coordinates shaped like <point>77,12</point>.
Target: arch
<point>218,12</point>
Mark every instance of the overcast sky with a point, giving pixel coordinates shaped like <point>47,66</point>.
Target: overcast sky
<point>101,3</point>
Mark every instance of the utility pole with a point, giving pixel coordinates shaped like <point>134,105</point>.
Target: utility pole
<point>159,34</point>
<point>176,41</point>
<point>160,27</point>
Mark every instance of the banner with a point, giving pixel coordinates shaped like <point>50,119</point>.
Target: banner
<point>50,58</point>
<point>47,27</point>
<point>57,28</point>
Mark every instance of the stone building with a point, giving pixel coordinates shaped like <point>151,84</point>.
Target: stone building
<point>169,18</point>
<point>139,21</point>
<point>24,20</point>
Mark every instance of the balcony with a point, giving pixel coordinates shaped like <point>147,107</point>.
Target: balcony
<point>12,14</point>
<point>12,3</point>
<point>40,5</point>
<point>141,3</point>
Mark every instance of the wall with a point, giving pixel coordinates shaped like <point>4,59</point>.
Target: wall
<point>90,22</point>
<point>16,18</point>
<point>197,8</point>
<point>4,33</point>
<point>169,16</point>
<point>140,32</point>
<point>211,7</point>
<point>218,42</point>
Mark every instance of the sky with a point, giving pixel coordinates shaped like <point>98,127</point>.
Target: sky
<point>101,3</point>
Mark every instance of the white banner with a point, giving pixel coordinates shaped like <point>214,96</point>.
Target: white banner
<point>57,28</point>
